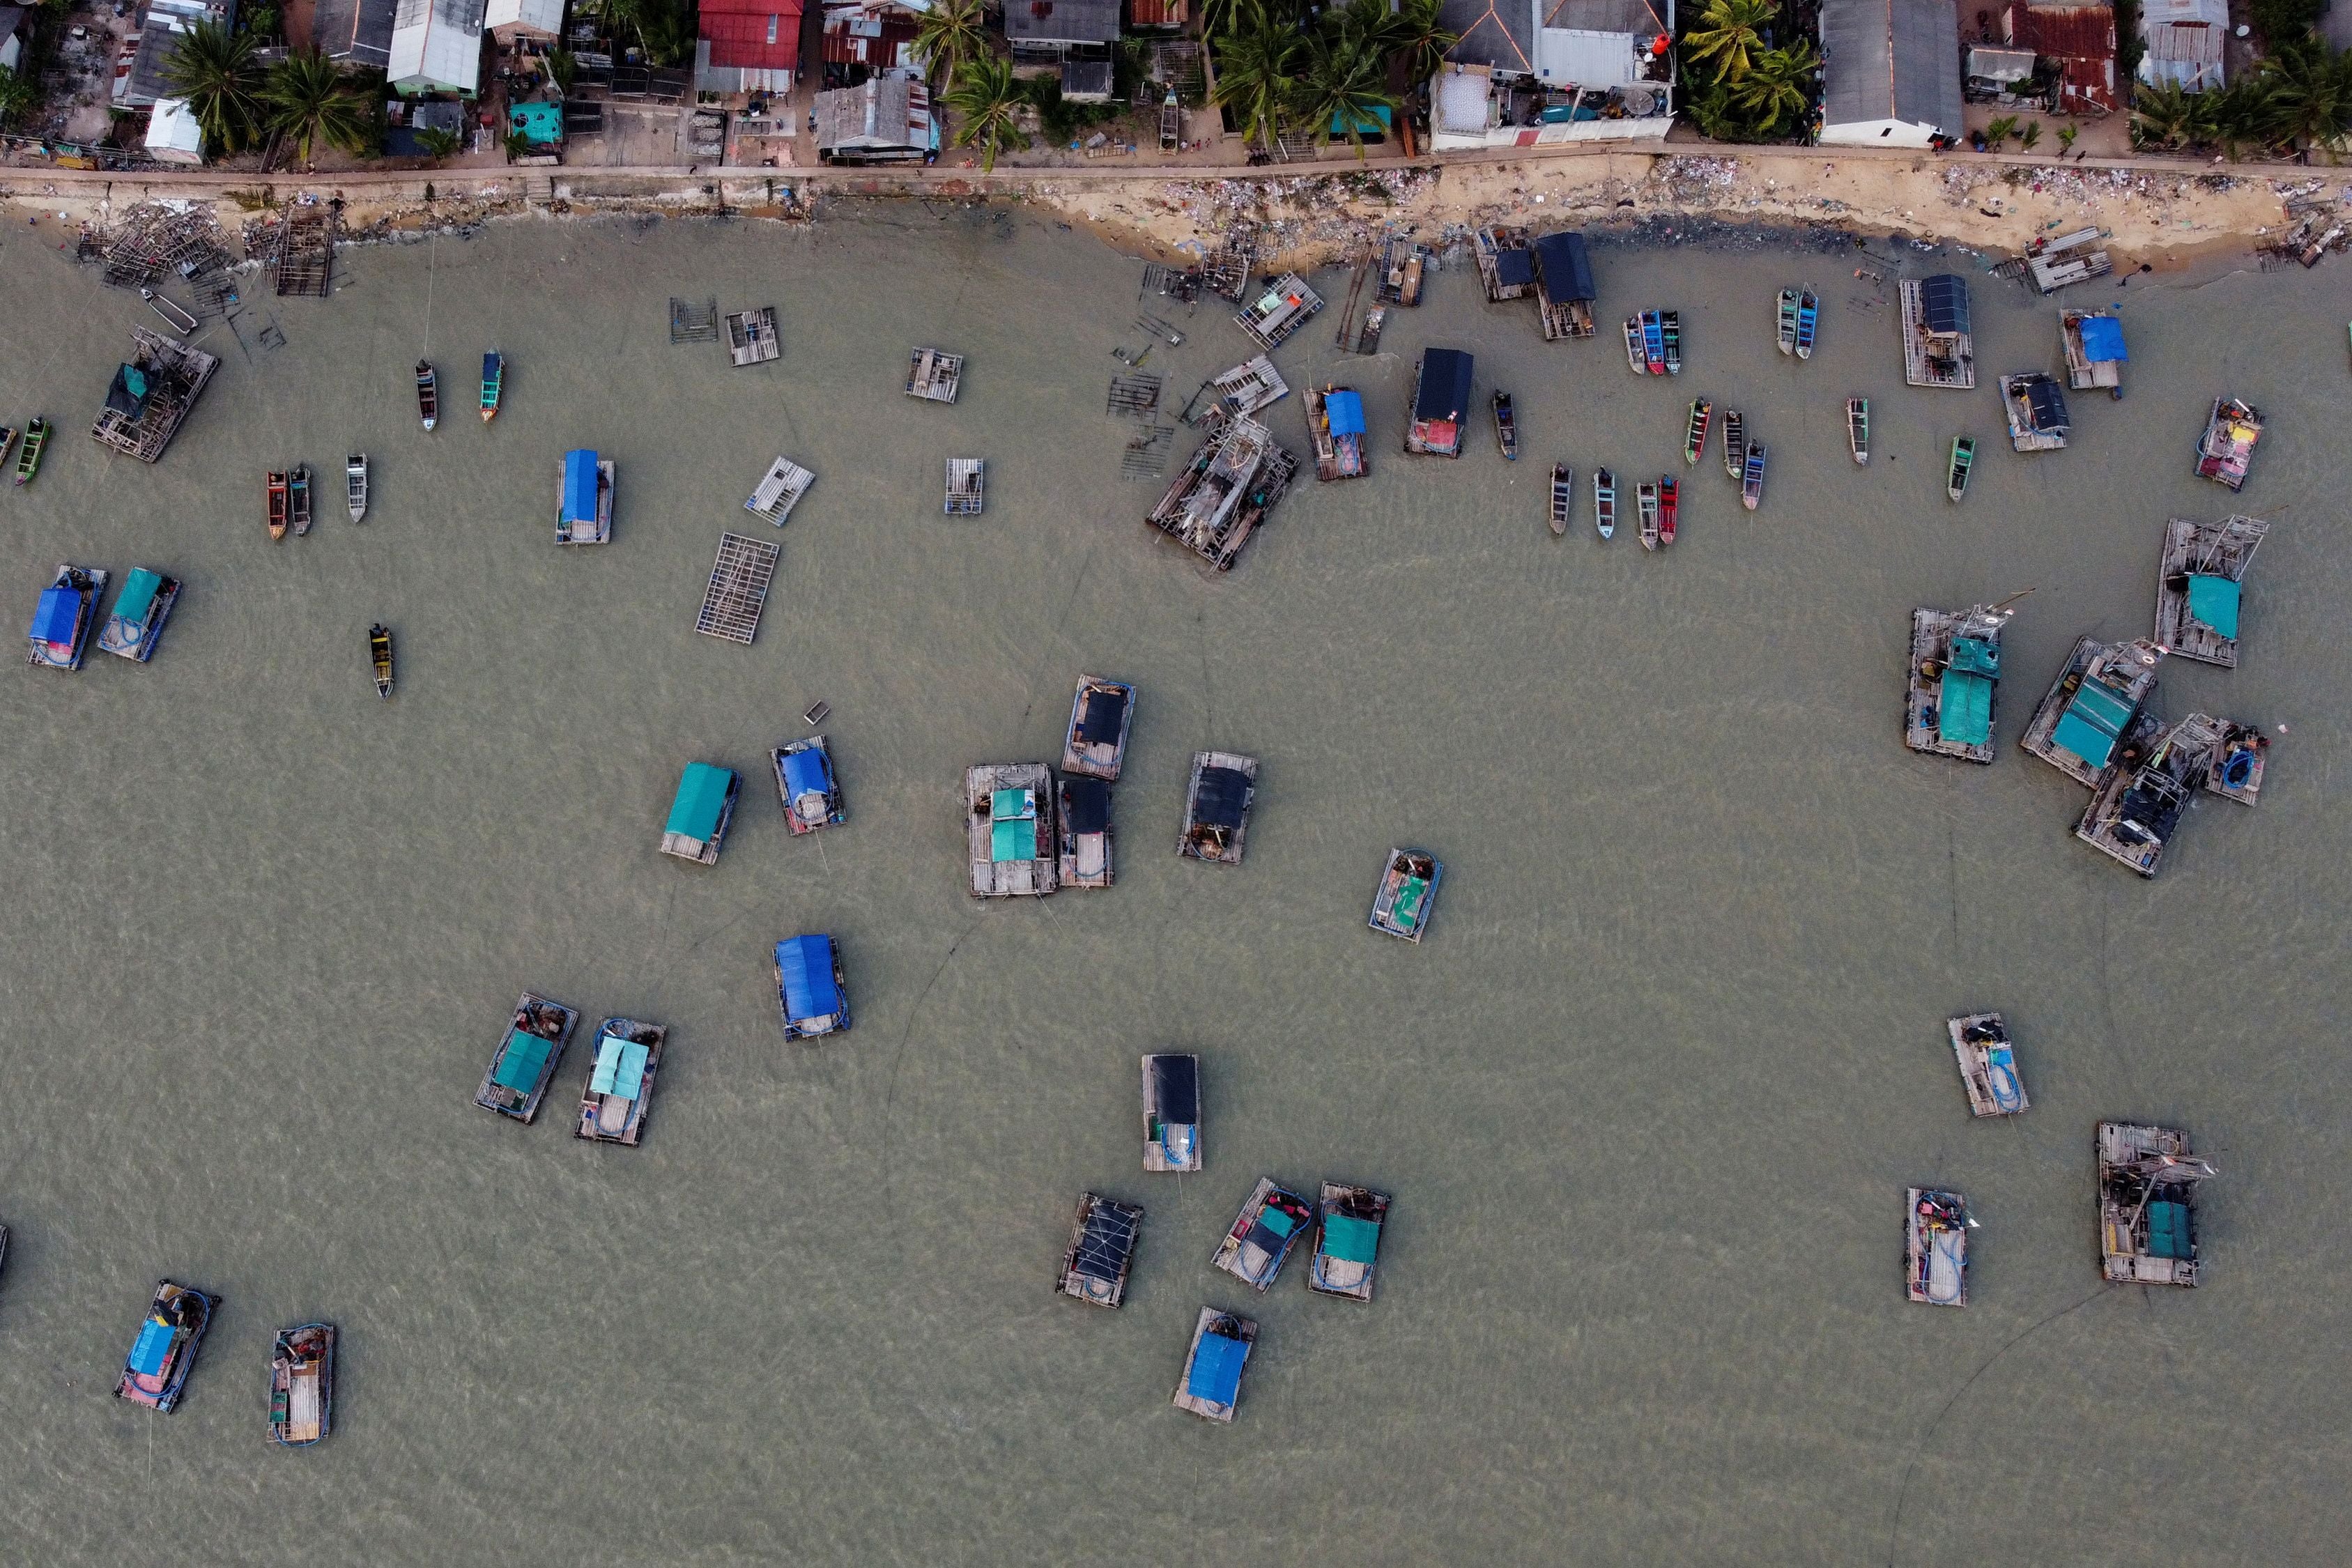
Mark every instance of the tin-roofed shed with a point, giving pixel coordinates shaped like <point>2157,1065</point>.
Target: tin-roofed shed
<point>1890,73</point>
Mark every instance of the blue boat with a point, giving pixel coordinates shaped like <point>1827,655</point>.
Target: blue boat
<point>805,781</point>
<point>1211,1383</point>
<point>583,514</point>
<point>157,1368</point>
<point>63,618</point>
<point>494,382</point>
<point>699,813</point>
<point>1271,1222</point>
<point>1654,342</point>
<point>136,623</point>
<point>1808,316</point>
<point>809,987</point>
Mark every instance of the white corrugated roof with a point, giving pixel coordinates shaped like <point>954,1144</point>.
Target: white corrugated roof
<point>437,43</point>
<point>173,128</point>
<point>542,16</point>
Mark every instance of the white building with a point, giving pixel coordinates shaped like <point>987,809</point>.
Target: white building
<point>2184,40</point>
<point>172,134</point>
<point>539,21</point>
<point>1536,73</point>
<point>1890,73</point>
<point>437,47</point>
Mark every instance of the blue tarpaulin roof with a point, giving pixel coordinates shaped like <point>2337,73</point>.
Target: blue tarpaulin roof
<point>2102,339</point>
<point>579,485</point>
<point>805,773</point>
<point>805,963</point>
<point>2214,601</point>
<point>53,620</point>
<point>1216,1375</point>
<point>620,1068</point>
<point>1345,412</point>
<point>154,1345</point>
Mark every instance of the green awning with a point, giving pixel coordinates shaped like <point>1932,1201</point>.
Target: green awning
<point>138,592</point>
<point>2091,723</point>
<point>701,797</point>
<point>519,1064</point>
<point>1964,711</point>
<point>1350,1239</point>
<point>2214,601</point>
<point>1014,840</point>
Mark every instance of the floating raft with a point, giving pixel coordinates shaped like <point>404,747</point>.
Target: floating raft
<point>1506,268</point>
<point>1935,1247</point>
<point>1101,1252</point>
<point>136,623</point>
<point>737,590</point>
<point>1335,423</point>
<point>621,1084</point>
<point>1217,802</point>
<point>1226,492</point>
<point>2094,346</point>
<point>1285,306</point>
<point>156,1370</point>
<point>527,1059</point>
<point>1210,1386</point>
<point>2226,450</point>
<point>693,323</point>
<point>1249,387</point>
<point>2148,1204</point>
<point>1009,830</point>
<point>1348,1242</point>
<point>1406,894</point>
<point>779,490</point>
<point>2036,409</point>
<point>1937,350</point>
<point>2092,706</point>
<point>1988,1061</point>
<point>1083,813</point>
<point>935,375</point>
<point>751,336</point>
<point>1172,1114</point>
<point>152,394</point>
<point>1271,1222</point>
<point>302,1385</point>
<point>1564,291</point>
<point>2067,258</point>
<point>966,485</point>
<point>2137,806</point>
<point>2198,585</point>
<point>1955,668</point>
<point>303,257</point>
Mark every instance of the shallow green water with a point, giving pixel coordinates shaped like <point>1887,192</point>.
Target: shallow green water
<point>1647,1097</point>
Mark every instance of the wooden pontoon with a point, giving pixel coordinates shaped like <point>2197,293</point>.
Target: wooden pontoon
<point>2148,1204</point>
<point>1402,270</point>
<point>1987,1062</point>
<point>2198,586</point>
<point>152,394</point>
<point>701,811</point>
<point>966,494</point>
<point>356,486</point>
<point>64,616</point>
<point>935,375</point>
<point>1271,1222</point>
<point>1217,801</point>
<point>1285,307</point>
<point>1101,1252</point>
<point>1082,815</point>
<point>2036,411</point>
<point>620,1083</point>
<point>156,1370</point>
<point>2135,809</point>
<point>1564,291</point>
<point>380,658</point>
<point>1936,1225</point>
<point>1335,423</point>
<point>527,1057</point>
<point>1937,350</point>
<point>779,490</point>
<point>1210,1386</point>
<point>812,992</point>
<point>1101,714</point>
<point>1172,1114</point>
<point>302,1385</point>
<point>2091,706</point>
<point>1347,1243</point>
<point>2226,450</point>
<point>737,591</point>
<point>1954,669</point>
<point>1009,830</point>
<point>1225,492</point>
<point>752,337</point>
<point>584,486</point>
<point>1407,893</point>
<point>807,785</point>
<point>136,623</point>
<point>1249,387</point>
<point>1506,268</point>
<point>2240,759</point>
<point>2092,342</point>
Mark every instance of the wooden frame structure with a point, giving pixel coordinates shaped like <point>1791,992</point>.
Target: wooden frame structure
<point>779,490</point>
<point>2223,548</point>
<point>751,336</point>
<point>737,590</point>
<point>175,374</point>
<point>934,374</point>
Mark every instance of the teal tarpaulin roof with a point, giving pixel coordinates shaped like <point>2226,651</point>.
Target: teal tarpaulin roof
<point>1373,122</point>
<point>1964,711</point>
<point>138,592</point>
<point>541,122</point>
<point>1350,1239</point>
<point>1977,656</point>
<point>520,1063</point>
<point>620,1068</point>
<point>154,1345</point>
<point>1009,804</point>
<point>1216,1375</point>
<point>701,796</point>
<point>2214,601</point>
<point>2091,723</point>
<point>1014,840</point>
<point>2167,1230</point>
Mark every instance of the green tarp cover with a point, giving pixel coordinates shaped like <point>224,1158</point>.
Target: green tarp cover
<point>2214,601</point>
<point>701,796</point>
<point>1277,1220</point>
<point>1964,713</point>
<point>2091,723</point>
<point>1350,1239</point>
<point>1013,840</point>
<point>2168,1230</point>
<point>1407,908</point>
<point>1976,655</point>
<point>520,1066</point>
<point>1012,804</point>
<point>138,592</point>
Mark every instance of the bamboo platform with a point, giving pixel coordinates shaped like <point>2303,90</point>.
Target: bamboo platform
<point>1948,362</point>
<point>1145,456</point>
<point>2239,739</point>
<point>935,375</point>
<point>751,336</point>
<point>2136,812</point>
<point>1404,264</point>
<point>737,591</point>
<point>2223,548</point>
<point>779,490</point>
<point>176,375</point>
<point>1030,875</point>
<point>1932,635</point>
<point>1226,492</point>
<point>693,323</point>
<point>2068,258</point>
<point>1286,305</point>
<point>1227,270</point>
<point>2017,404</point>
<point>302,259</point>
<point>150,240</point>
<point>2085,373</point>
<point>1135,397</point>
<point>2138,1168</point>
<point>2127,670</point>
<point>966,480</point>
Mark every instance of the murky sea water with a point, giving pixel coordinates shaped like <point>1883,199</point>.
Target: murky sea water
<point>1647,1097</point>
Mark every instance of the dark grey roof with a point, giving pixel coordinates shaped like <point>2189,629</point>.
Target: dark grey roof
<point>1944,304</point>
<point>359,31</point>
<point>1085,804</point>
<point>1642,18</point>
<point>12,17</point>
<point>1503,37</point>
<point>1220,800</point>
<point>1445,384</point>
<point>1062,21</point>
<point>147,84</point>
<point>1891,59</point>
<point>1176,1089</point>
<point>1566,266</point>
<point>1514,267</point>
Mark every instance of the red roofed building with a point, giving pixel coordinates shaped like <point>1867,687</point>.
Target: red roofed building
<point>2080,40</point>
<point>747,45</point>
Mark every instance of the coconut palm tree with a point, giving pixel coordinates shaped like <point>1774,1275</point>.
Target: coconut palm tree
<point>949,33</point>
<point>214,70</point>
<point>1777,87</point>
<point>307,96</point>
<point>1729,36</point>
<point>987,103</point>
<point>2310,95</point>
<point>2163,116</point>
<point>1415,38</point>
<point>1255,74</point>
<point>1340,90</point>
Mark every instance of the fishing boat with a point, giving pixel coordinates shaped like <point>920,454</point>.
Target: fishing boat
<point>136,621</point>
<point>1987,1059</point>
<point>181,321</point>
<point>1654,342</point>
<point>1211,1385</point>
<point>1634,357</point>
<point>1951,674</point>
<point>2223,452</point>
<point>1563,498</point>
<point>355,485</point>
<point>302,1385</point>
<point>1102,711</point>
<point>1964,460</point>
<point>585,482</point>
<point>1670,342</point>
<point>1604,503</point>
<point>1506,428</point>
<point>156,1370</point>
<point>298,499</point>
<point>1101,1252</point>
<point>28,456</point>
<point>1172,1114</point>
<point>811,997</point>
<point>428,394</point>
<point>494,382</point>
<point>275,488</point>
<point>1786,321</point>
<point>1702,414</point>
<point>63,617</point>
<point>1271,1221</point>
<point>1751,482</point>
<point>1936,1228</point>
<point>1669,496</point>
<point>380,655</point>
<point>1217,804</point>
<point>1645,507</point>
<point>1348,1242</point>
<point>2148,1204</point>
<point>807,785</point>
<point>1857,428</point>
<point>1735,445</point>
<point>527,1058</point>
<point>2138,804</point>
<point>7,442</point>
<point>1406,894</point>
<point>1083,812</point>
<point>699,813</point>
<point>1808,316</point>
<point>621,1084</point>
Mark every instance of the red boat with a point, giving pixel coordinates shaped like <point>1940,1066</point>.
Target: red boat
<point>276,489</point>
<point>1669,496</point>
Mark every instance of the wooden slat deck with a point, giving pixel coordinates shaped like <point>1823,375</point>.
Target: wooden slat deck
<point>751,336</point>
<point>2222,549</point>
<point>739,588</point>
<point>966,477</point>
<point>693,323</point>
<point>934,373</point>
<point>177,374</point>
<point>780,491</point>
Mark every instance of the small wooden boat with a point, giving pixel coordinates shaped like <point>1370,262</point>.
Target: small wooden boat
<point>1670,342</point>
<point>494,381</point>
<point>1563,498</point>
<point>355,484</point>
<point>1407,893</point>
<point>1271,1221</point>
<point>428,394</point>
<point>1857,428</point>
<point>1964,458</point>
<point>302,1385</point>
<point>1786,322</point>
<point>1735,444</point>
<point>621,1084</point>
<point>275,485</point>
<point>1808,316</point>
<point>380,655</point>
<point>7,442</point>
<point>1987,1059</point>
<point>1645,507</point>
<point>1506,428</point>
<point>1101,1252</point>
<point>527,1058</point>
<point>1669,506</point>
<point>298,499</point>
<point>157,1368</point>
<point>1634,356</point>
<point>1702,413</point>
<point>28,456</point>
<point>1654,342</point>
<point>1604,503</point>
<point>1751,482</point>
<point>1347,1245</point>
<point>1172,1114</point>
<point>1935,1226</point>
<point>1211,1383</point>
